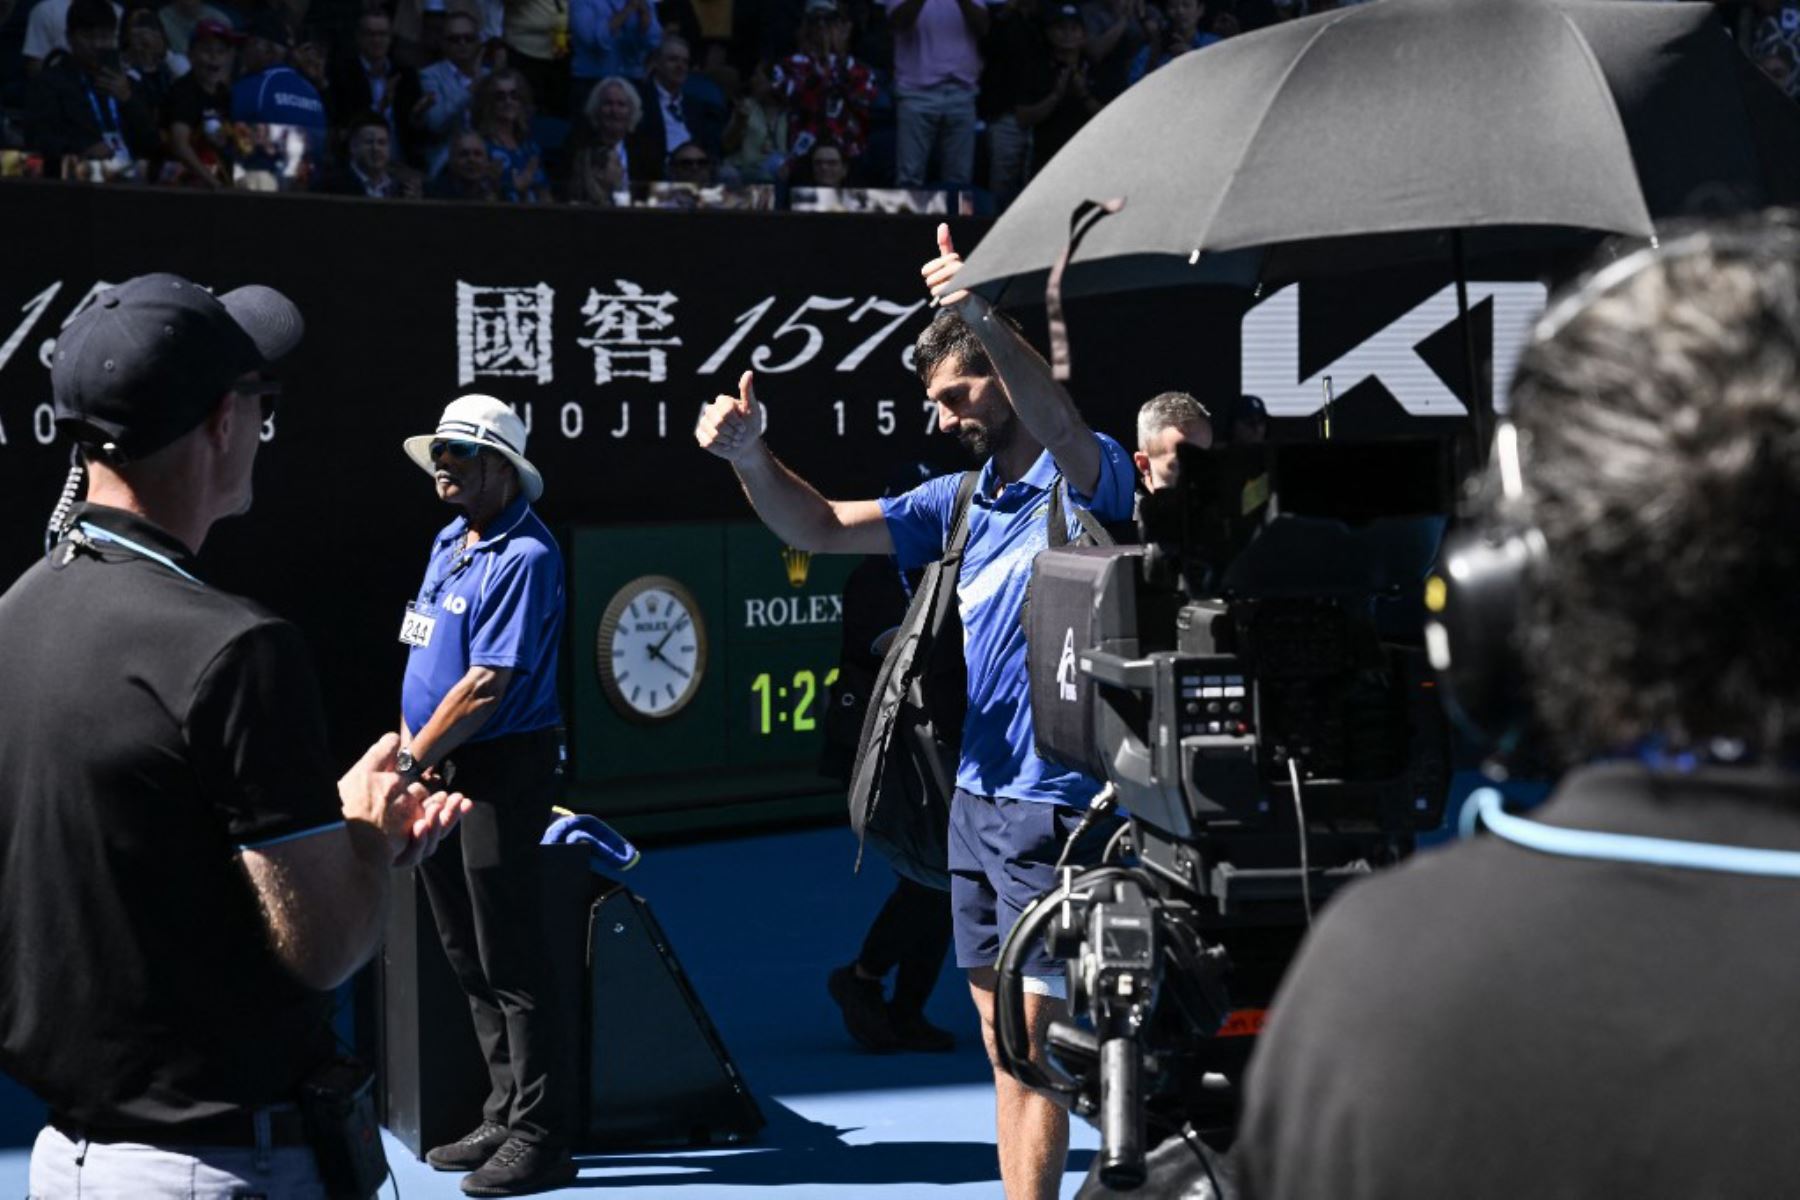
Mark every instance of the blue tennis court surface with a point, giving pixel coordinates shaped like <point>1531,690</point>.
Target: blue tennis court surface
<point>757,923</point>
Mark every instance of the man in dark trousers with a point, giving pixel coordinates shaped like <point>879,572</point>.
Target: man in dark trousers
<point>479,705</point>
<point>1598,1000</point>
<point>183,885</point>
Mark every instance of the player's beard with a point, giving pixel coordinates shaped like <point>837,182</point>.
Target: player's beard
<point>985,441</point>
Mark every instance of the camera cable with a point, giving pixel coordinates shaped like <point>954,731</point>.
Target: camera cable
<point>1300,825</point>
<point>1103,803</point>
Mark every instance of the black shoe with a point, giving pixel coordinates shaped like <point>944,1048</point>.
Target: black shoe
<point>913,1032</point>
<point>469,1151</point>
<point>519,1168</point>
<point>865,1009</point>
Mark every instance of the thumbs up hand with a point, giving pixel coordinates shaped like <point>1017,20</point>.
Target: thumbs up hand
<point>732,426</point>
<point>940,273</point>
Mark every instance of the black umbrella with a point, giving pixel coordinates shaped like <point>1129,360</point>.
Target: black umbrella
<point>1402,130</point>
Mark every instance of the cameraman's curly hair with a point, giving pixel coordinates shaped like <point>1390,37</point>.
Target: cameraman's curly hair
<point>1659,420</point>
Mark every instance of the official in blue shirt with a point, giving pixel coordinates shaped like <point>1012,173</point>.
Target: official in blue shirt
<point>479,704</point>
<point>1012,812</point>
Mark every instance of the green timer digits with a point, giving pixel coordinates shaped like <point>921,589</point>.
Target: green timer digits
<point>792,705</point>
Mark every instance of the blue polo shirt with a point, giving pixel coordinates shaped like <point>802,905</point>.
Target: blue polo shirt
<point>497,604</point>
<point>1006,532</point>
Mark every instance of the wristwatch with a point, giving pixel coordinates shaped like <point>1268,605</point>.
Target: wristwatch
<point>407,765</point>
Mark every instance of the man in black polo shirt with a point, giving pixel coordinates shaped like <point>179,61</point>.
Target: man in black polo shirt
<point>180,883</point>
<point>1598,1001</point>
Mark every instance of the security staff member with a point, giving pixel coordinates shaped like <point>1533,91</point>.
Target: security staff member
<point>181,886</point>
<point>480,693</point>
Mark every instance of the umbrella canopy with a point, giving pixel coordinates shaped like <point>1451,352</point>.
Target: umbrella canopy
<point>1359,137</point>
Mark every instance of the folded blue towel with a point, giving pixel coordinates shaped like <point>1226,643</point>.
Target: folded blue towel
<point>607,846</point>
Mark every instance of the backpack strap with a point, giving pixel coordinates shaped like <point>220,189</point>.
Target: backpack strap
<point>1057,535</point>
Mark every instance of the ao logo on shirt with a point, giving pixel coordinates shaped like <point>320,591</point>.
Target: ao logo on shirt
<point>456,604</point>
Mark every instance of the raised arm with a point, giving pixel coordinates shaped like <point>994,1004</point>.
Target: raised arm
<point>731,427</point>
<point>1042,404</point>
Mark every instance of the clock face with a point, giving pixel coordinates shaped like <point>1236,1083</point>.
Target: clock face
<point>651,648</point>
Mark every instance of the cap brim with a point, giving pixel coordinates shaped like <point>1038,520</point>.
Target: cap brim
<point>270,318</point>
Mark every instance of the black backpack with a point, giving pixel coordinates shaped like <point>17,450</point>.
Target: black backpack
<point>905,767</point>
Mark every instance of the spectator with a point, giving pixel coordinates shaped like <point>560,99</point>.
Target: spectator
<point>1017,69</point>
<point>502,107</point>
<point>1779,70</point>
<point>610,37</point>
<point>937,68</point>
<point>676,110</point>
<point>1117,30</point>
<point>1182,34</point>
<point>450,86</point>
<point>825,167</point>
<point>147,60</point>
<point>827,91</point>
<point>270,92</point>
<point>197,113</point>
<point>537,46</point>
<point>46,31</point>
<point>181,17</point>
<point>1777,34</point>
<point>312,59</point>
<point>609,118</point>
<point>756,138</point>
<point>79,108</point>
<point>596,176</point>
<point>1065,98</point>
<point>469,173</point>
<point>692,165</point>
<point>368,159</point>
<point>1249,422</point>
<point>371,81</point>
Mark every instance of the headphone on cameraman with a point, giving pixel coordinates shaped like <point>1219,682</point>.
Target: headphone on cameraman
<point>1477,595</point>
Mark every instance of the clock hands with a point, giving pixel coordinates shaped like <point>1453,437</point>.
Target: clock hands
<point>656,653</point>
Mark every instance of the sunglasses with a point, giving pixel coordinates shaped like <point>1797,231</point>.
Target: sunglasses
<point>691,162</point>
<point>461,451</point>
<point>461,39</point>
<point>506,94</point>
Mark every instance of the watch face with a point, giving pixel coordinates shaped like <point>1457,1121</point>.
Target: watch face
<point>651,648</point>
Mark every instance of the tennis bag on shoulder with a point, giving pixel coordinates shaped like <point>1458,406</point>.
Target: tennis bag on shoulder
<point>905,769</point>
<point>1062,621</point>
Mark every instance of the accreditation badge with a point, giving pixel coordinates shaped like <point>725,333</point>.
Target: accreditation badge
<point>416,627</point>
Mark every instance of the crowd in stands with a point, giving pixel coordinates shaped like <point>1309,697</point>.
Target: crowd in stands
<point>594,102</point>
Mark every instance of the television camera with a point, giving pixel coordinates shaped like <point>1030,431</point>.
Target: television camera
<point>1249,683</point>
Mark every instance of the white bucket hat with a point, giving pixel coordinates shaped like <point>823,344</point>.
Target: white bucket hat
<point>488,423</point>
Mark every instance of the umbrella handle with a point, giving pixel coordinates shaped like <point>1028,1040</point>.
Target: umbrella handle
<point>1087,214</point>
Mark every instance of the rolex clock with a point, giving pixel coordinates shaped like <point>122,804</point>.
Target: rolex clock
<point>651,648</point>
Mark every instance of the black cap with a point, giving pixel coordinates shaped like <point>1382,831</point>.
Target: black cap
<point>151,357</point>
<point>1064,12</point>
<point>1250,407</point>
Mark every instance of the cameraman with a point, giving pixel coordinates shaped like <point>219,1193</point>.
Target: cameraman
<point>182,884</point>
<point>1595,1016</point>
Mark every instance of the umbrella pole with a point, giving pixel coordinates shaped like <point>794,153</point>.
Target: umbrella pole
<point>1480,408</point>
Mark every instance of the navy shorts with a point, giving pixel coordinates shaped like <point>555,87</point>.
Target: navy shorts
<point>1002,857</point>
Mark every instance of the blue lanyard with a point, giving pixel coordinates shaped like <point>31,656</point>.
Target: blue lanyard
<point>1486,805</point>
<point>112,102</point>
<point>101,535</point>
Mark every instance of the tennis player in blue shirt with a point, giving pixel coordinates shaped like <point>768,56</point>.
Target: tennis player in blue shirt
<point>1012,811</point>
